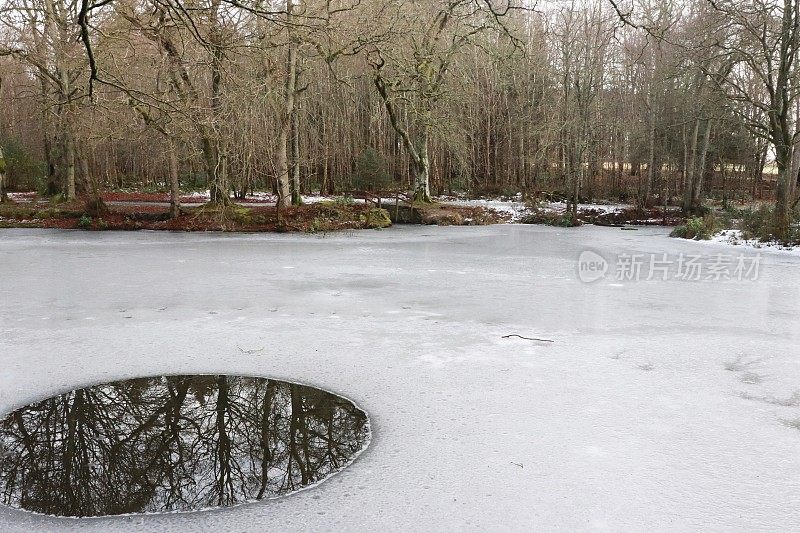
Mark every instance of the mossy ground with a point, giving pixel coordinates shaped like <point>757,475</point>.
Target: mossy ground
<point>134,215</point>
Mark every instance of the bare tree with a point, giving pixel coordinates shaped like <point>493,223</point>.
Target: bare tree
<point>410,70</point>
<point>764,37</point>
<point>3,192</point>
<point>630,98</point>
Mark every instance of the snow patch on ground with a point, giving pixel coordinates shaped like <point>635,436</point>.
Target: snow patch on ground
<point>733,237</point>
<point>22,196</point>
<point>260,197</point>
<point>308,199</point>
<point>516,209</point>
<point>560,207</point>
<point>199,195</point>
<point>315,199</point>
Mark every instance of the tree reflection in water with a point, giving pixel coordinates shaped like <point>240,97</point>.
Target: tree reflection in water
<point>174,444</point>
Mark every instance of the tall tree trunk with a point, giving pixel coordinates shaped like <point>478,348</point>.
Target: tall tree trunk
<point>788,163</point>
<point>691,168</point>
<point>290,92</point>
<point>174,182</point>
<point>89,187</point>
<point>69,167</point>
<point>3,193</point>
<point>66,118</point>
<point>52,186</point>
<point>421,165</point>
<point>697,183</point>
<point>571,174</point>
<point>213,165</point>
<point>217,157</point>
<point>577,172</point>
<point>325,187</point>
<point>417,152</point>
<point>87,184</point>
<point>783,127</point>
<point>724,183</point>
<point>760,161</point>
<point>282,163</point>
<point>647,183</point>
<point>297,199</point>
<point>685,162</point>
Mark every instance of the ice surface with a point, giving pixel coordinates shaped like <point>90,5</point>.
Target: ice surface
<point>644,414</point>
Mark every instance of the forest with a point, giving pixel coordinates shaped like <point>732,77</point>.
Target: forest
<point>399,265</point>
<point>653,103</point>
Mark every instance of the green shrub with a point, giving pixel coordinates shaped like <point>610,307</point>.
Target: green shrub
<point>22,167</point>
<point>567,221</point>
<point>496,191</point>
<point>58,199</point>
<point>372,171</point>
<point>319,225</point>
<point>85,222</point>
<point>757,223</point>
<point>154,187</point>
<point>697,228</point>
<point>376,219</point>
<point>343,201</point>
<point>550,218</point>
<point>679,232</point>
<point>536,203</point>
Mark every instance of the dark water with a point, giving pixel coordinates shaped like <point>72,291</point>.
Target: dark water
<point>174,444</point>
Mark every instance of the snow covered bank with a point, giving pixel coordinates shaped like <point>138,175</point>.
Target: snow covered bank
<point>560,207</point>
<point>516,210</point>
<point>512,210</point>
<point>734,238</point>
<point>22,196</point>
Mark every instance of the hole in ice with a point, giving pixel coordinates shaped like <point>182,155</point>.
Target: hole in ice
<point>174,443</point>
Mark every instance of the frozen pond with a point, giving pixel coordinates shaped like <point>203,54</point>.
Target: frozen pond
<point>174,443</point>
<point>664,402</point>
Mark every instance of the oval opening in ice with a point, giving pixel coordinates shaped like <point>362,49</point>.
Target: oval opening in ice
<point>174,443</point>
